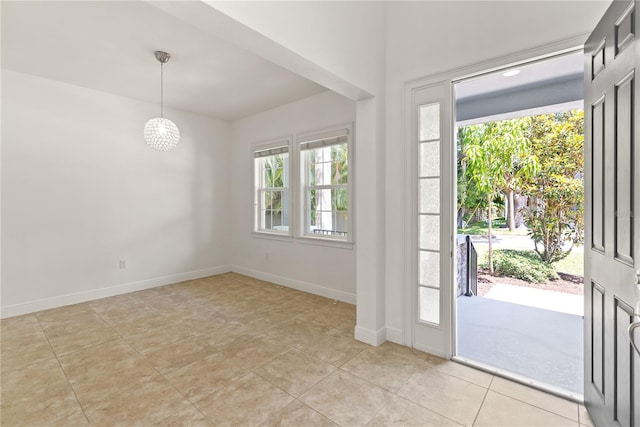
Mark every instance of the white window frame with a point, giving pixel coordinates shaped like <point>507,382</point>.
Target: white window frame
<point>326,137</point>
<point>271,146</point>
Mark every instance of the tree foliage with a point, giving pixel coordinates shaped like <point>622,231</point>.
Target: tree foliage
<point>498,159</point>
<point>540,157</point>
<point>555,215</point>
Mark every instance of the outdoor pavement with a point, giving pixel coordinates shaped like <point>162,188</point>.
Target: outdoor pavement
<point>540,298</point>
<point>544,345</point>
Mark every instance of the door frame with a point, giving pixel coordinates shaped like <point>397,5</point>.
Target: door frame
<point>448,178</point>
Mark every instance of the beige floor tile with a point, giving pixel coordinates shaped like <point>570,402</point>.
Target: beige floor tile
<point>37,395</point>
<point>402,351</point>
<point>65,314</point>
<point>585,418</point>
<point>346,399</point>
<point>146,404</point>
<point>297,333</point>
<point>20,326</point>
<point>334,348</point>
<point>84,361</point>
<point>295,372</point>
<point>535,397</point>
<point>449,396</point>
<point>384,369</point>
<point>21,351</point>
<point>77,419</point>
<point>222,336</point>
<point>330,315</point>
<point>188,417</point>
<point>95,383</point>
<point>399,412</point>
<point>461,371</point>
<point>245,402</point>
<point>498,411</point>
<point>179,354</point>
<point>156,337</point>
<point>297,414</point>
<point>137,322</point>
<point>207,375</point>
<point>253,351</point>
<point>72,337</point>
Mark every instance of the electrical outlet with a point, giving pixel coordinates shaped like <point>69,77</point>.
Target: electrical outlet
<point>266,256</point>
<point>123,264</point>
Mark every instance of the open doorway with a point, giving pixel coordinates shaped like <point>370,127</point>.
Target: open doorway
<point>520,135</point>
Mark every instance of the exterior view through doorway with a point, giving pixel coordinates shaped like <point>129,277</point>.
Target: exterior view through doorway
<point>520,222</point>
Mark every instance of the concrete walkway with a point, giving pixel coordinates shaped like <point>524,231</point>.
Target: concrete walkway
<point>540,298</point>
<point>543,345</point>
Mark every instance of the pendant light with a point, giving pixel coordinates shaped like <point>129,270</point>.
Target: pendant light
<point>160,133</point>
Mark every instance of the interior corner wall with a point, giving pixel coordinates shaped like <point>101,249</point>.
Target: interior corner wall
<point>81,191</point>
<point>346,38</point>
<point>426,38</point>
<point>297,263</point>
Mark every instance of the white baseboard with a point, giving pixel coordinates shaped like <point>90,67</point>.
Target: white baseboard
<point>395,335</point>
<point>297,284</point>
<point>78,297</point>
<point>369,336</point>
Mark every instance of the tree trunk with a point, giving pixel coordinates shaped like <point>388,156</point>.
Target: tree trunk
<point>490,200</point>
<point>511,219</point>
<point>461,213</point>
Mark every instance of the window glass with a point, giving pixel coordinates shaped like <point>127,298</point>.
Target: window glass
<point>272,191</point>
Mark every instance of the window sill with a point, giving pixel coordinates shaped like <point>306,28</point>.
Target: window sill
<point>320,241</point>
<point>272,236</point>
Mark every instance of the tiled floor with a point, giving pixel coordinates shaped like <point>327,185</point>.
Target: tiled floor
<point>233,351</point>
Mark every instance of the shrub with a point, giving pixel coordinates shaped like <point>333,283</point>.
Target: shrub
<point>523,265</point>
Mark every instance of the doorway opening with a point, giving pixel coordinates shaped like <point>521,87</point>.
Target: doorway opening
<point>520,222</point>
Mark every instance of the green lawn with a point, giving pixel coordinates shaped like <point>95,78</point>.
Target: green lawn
<point>572,264</point>
<point>480,228</point>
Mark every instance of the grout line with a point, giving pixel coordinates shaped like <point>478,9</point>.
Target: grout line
<point>63,371</point>
<point>486,393</point>
<point>157,371</point>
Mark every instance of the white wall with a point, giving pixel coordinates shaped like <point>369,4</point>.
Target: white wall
<point>347,39</point>
<point>425,38</point>
<point>81,190</point>
<point>323,270</point>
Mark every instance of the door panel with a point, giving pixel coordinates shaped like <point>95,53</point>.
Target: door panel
<point>612,238</point>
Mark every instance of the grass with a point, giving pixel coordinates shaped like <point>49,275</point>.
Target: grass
<point>572,264</point>
<point>480,228</point>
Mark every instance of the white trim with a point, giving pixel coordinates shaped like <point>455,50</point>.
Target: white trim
<point>344,129</point>
<point>261,146</point>
<point>370,337</point>
<point>311,288</point>
<point>94,294</point>
<point>491,65</point>
<point>397,336</point>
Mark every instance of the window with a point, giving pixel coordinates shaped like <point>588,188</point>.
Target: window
<point>325,185</point>
<point>272,196</point>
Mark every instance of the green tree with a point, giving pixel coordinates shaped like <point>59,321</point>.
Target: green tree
<point>499,159</point>
<point>555,215</point>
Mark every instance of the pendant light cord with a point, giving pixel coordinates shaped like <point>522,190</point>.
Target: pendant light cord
<point>161,89</point>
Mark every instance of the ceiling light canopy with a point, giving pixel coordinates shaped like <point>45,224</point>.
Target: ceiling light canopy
<point>511,73</point>
<point>161,134</point>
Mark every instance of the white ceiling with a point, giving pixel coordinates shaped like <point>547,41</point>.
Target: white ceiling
<point>109,45</point>
<point>531,74</point>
